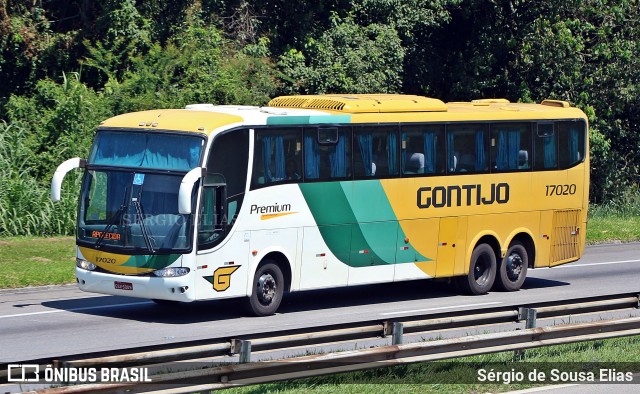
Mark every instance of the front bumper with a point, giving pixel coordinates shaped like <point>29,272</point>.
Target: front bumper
<point>175,289</point>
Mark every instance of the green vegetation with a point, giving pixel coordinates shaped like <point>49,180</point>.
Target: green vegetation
<point>613,229</point>
<point>29,261</point>
<point>460,375</point>
<point>617,220</point>
<point>67,65</point>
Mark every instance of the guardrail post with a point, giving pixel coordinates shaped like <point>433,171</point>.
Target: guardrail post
<point>522,314</point>
<point>397,332</point>
<point>529,315</point>
<point>245,351</point>
<point>241,347</point>
<point>532,315</point>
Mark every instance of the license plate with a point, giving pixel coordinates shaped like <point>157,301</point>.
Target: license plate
<point>123,285</point>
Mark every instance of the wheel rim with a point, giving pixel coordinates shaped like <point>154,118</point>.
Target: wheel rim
<point>482,270</point>
<point>514,266</point>
<point>266,288</point>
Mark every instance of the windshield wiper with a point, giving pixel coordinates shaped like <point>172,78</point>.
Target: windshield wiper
<point>113,220</point>
<point>143,226</point>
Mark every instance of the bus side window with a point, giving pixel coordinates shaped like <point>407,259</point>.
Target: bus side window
<point>277,156</point>
<point>510,146</point>
<point>214,220</point>
<point>207,223</point>
<point>311,154</point>
<point>375,152</point>
<point>327,153</point>
<point>546,147</point>
<point>571,147</point>
<point>467,148</point>
<point>422,149</point>
<point>224,186</point>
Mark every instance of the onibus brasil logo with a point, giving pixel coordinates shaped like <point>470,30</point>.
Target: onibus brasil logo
<point>34,373</point>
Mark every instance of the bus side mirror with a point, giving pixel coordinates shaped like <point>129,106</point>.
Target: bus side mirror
<point>186,189</point>
<point>61,171</point>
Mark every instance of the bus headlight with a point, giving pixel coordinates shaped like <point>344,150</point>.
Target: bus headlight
<point>171,272</point>
<point>85,265</point>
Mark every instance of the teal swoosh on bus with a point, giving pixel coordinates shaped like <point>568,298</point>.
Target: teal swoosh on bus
<point>152,262</point>
<point>310,119</point>
<point>358,224</point>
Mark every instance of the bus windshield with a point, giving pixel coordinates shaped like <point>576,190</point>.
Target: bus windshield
<point>161,151</point>
<point>134,211</point>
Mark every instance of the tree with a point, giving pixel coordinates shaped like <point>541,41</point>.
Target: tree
<point>196,65</point>
<point>586,52</point>
<point>347,58</point>
<point>415,21</point>
<point>28,47</point>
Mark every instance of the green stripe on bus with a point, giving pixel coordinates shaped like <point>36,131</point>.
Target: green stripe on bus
<point>313,119</point>
<point>152,262</point>
<point>357,223</point>
<point>378,222</point>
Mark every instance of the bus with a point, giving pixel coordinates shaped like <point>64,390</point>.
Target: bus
<point>320,191</point>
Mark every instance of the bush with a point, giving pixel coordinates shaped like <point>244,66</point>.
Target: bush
<point>25,206</point>
<point>625,206</point>
<point>58,120</point>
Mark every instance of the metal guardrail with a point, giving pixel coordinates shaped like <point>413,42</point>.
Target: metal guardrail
<point>301,367</point>
<point>362,330</point>
<point>396,328</point>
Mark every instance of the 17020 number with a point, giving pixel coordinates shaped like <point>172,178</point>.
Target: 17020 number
<point>561,190</point>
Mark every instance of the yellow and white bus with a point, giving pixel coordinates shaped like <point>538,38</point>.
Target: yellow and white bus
<point>321,191</point>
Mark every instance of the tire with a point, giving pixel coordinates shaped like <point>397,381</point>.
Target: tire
<point>268,288</point>
<point>513,268</point>
<point>482,271</point>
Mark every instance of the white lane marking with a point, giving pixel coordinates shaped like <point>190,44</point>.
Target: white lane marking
<point>543,388</point>
<point>592,264</point>
<point>86,308</point>
<point>441,308</point>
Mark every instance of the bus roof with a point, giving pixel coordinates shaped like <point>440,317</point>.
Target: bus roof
<point>340,109</point>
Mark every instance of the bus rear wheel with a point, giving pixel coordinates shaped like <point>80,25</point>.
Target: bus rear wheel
<point>268,288</point>
<point>482,271</point>
<point>513,268</point>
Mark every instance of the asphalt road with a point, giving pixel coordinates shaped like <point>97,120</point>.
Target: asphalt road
<point>61,320</point>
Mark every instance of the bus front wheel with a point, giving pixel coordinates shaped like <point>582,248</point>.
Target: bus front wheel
<point>482,271</point>
<point>268,288</point>
<point>513,268</point>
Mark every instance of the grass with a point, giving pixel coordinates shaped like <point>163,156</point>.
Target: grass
<point>461,375</point>
<point>35,261</point>
<point>617,220</point>
<point>613,229</point>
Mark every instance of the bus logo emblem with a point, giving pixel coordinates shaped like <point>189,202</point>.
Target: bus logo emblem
<point>221,278</point>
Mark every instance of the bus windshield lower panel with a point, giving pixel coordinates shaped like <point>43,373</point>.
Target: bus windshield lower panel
<point>133,211</point>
